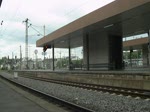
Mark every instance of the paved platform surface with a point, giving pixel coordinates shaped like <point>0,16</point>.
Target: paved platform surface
<point>11,101</point>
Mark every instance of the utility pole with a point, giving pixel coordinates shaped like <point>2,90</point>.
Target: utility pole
<point>20,57</point>
<point>26,41</point>
<point>12,62</point>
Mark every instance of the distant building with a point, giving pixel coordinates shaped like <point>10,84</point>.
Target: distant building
<point>48,63</point>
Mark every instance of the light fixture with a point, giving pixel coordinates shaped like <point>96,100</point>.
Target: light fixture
<point>110,25</point>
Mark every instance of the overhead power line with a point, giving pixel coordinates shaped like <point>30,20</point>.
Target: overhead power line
<point>36,30</point>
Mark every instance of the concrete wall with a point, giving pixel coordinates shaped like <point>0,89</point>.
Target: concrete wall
<point>98,48</point>
<point>102,50</point>
<point>127,80</point>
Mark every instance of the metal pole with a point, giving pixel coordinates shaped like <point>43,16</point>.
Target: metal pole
<point>26,41</point>
<point>53,57</point>
<point>69,57</point>
<point>131,50</point>
<point>12,63</point>
<point>20,58</point>
<point>87,48</point>
<point>44,52</point>
<point>36,61</point>
<point>60,60</point>
<point>149,48</point>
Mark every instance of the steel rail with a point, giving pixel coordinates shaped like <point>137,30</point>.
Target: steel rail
<point>111,89</point>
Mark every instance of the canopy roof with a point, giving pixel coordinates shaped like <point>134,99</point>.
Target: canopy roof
<point>122,17</point>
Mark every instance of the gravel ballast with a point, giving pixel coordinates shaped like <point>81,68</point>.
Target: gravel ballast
<point>97,101</point>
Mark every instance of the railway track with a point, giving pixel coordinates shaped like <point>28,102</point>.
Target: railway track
<point>71,107</point>
<point>138,93</point>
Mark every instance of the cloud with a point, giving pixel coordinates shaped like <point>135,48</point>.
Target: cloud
<point>51,13</point>
<point>8,47</point>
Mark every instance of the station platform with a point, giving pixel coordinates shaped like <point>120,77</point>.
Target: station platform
<point>144,71</point>
<point>137,78</point>
<point>12,101</point>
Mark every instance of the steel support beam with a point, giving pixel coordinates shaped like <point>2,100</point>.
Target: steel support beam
<point>53,57</point>
<point>149,48</point>
<point>86,50</point>
<point>69,52</point>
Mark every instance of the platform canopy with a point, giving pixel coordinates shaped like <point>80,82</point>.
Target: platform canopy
<point>121,17</point>
<point>135,43</point>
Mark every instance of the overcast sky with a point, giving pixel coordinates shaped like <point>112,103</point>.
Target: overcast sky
<point>51,13</point>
